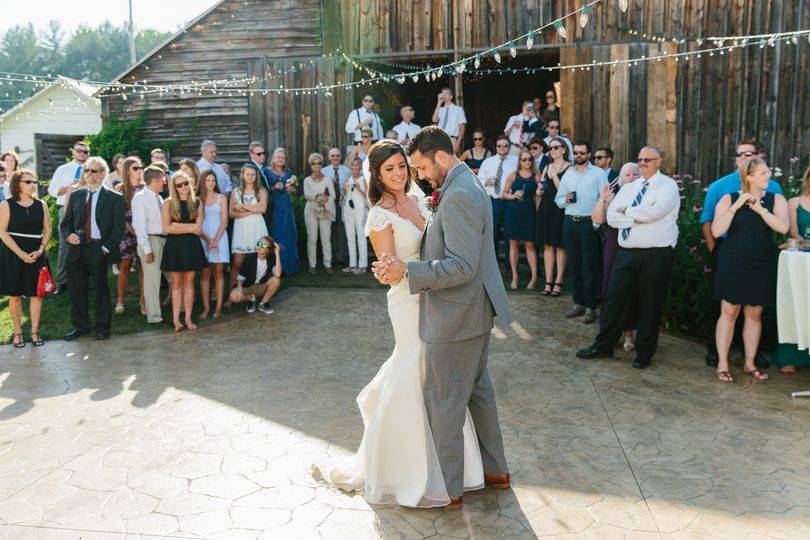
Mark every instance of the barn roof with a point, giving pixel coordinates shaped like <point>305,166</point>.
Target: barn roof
<point>165,44</point>
<point>82,90</point>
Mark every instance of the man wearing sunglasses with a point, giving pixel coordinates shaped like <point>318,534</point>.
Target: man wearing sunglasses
<point>364,117</point>
<point>603,158</point>
<point>553,127</point>
<point>258,156</point>
<point>578,193</point>
<point>746,150</point>
<point>493,174</point>
<point>259,278</point>
<point>93,226</point>
<point>406,129</point>
<point>64,177</point>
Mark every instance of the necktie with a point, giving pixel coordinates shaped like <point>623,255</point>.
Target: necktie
<point>336,182</point>
<point>88,218</point>
<point>636,202</point>
<point>498,176</point>
<point>444,120</point>
<point>159,201</point>
<point>78,174</point>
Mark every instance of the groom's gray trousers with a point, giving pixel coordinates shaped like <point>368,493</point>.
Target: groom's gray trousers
<point>454,371</point>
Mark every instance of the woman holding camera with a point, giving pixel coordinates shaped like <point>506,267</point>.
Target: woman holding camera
<point>354,218</point>
<point>746,263</point>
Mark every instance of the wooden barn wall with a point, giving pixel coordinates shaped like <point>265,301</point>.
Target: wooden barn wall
<point>695,111</point>
<point>230,42</point>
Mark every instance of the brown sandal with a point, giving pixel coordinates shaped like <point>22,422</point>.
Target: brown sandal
<point>554,291</point>
<point>725,377</point>
<point>757,374</point>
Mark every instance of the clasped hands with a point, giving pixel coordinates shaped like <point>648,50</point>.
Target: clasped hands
<point>389,270</point>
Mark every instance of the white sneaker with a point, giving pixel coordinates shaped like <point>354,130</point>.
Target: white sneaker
<point>361,271</point>
<point>251,307</point>
<point>349,269</point>
<point>116,270</point>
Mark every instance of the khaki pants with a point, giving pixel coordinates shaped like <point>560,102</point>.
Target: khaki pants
<point>314,226</point>
<point>151,278</point>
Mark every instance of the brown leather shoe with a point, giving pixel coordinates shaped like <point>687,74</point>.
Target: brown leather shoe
<point>497,481</point>
<point>454,504</point>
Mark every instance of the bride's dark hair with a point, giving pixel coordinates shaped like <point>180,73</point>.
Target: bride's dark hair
<point>380,152</point>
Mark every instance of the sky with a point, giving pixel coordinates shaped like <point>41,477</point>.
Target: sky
<point>164,15</point>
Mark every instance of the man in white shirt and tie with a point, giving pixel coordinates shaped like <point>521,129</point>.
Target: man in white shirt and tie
<point>514,128</point>
<point>451,118</point>
<point>406,129</point>
<point>339,174</point>
<point>492,174</point>
<point>364,117</point>
<point>147,220</point>
<point>646,214</point>
<point>208,150</point>
<point>64,180</point>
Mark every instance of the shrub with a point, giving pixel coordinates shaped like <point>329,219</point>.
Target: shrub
<point>126,137</point>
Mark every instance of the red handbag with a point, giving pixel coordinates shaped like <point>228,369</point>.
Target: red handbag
<point>45,285</point>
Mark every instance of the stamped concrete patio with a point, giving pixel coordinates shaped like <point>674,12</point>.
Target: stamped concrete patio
<point>211,433</point>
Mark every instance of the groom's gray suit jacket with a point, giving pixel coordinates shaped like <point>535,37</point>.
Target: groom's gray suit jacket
<point>458,273</point>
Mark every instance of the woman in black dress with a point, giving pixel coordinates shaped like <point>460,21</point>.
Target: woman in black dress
<point>25,229</point>
<point>476,155</point>
<point>746,262</point>
<point>520,215</point>
<point>550,217</point>
<point>183,254</point>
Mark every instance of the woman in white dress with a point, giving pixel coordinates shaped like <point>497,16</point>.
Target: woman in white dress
<point>248,204</point>
<point>214,239</point>
<point>396,461</point>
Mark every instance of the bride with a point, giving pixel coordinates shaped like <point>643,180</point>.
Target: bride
<point>397,461</point>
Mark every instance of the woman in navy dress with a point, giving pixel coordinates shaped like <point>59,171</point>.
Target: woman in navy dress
<point>476,155</point>
<point>284,230</point>
<point>25,229</point>
<point>746,263</point>
<point>520,215</point>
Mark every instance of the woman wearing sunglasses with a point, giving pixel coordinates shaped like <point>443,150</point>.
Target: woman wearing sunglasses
<point>25,229</point>
<point>476,155</point>
<point>362,148</point>
<point>132,182</point>
<point>521,215</point>
<point>550,217</point>
<point>183,255</point>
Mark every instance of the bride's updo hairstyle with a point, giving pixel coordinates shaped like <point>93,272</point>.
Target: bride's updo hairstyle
<point>380,152</point>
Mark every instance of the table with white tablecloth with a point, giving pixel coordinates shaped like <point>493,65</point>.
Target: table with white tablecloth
<point>793,310</point>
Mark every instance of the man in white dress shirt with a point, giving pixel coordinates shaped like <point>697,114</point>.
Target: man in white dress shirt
<point>147,220</point>
<point>406,129</point>
<point>208,150</point>
<point>364,117</point>
<point>451,118</point>
<point>554,131</point>
<point>339,174</point>
<point>493,174</point>
<point>64,178</point>
<point>514,128</point>
<point>646,214</point>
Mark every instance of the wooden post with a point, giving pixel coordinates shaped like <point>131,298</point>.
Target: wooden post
<point>619,107</point>
<point>662,105</point>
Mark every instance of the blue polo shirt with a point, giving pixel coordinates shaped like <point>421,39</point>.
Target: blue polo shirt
<point>727,185</point>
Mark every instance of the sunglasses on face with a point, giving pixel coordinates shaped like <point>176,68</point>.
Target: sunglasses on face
<point>555,147</point>
<point>525,159</point>
<point>366,136</point>
<point>502,146</point>
<point>478,138</point>
<point>535,147</point>
<point>549,97</point>
<point>746,154</point>
<point>2,168</point>
<point>368,101</point>
<point>30,182</point>
<point>580,153</point>
<point>261,153</point>
<point>553,127</point>
<point>262,245</point>
<point>92,171</point>
<point>317,163</point>
<point>136,168</point>
<point>184,183</point>
<point>81,151</point>
<point>599,157</point>
<point>646,159</point>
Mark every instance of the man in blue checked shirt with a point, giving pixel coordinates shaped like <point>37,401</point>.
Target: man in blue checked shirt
<point>747,150</point>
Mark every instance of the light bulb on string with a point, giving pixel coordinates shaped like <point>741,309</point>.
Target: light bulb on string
<point>561,29</point>
<point>415,78</point>
<point>461,67</point>
<point>497,56</point>
<point>512,49</point>
<point>477,61</point>
<point>584,17</point>
<point>530,40</point>
<point>623,5</point>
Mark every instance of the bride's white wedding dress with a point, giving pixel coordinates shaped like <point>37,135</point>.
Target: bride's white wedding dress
<point>396,461</point>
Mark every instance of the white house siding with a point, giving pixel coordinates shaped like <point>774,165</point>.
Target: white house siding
<point>54,111</point>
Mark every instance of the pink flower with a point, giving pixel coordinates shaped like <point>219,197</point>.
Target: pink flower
<point>702,240</point>
<point>707,270</point>
<point>697,209</point>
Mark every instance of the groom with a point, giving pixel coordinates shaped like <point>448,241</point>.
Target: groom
<point>460,285</point>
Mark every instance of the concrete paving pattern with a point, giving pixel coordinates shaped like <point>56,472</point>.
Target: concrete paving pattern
<point>211,434</point>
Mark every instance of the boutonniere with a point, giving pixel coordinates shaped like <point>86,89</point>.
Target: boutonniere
<point>433,202</point>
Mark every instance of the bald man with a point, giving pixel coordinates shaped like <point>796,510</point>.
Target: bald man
<point>406,129</point>
<point>646,214</point>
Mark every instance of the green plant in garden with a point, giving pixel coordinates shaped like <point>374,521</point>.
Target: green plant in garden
<point>126,137</point>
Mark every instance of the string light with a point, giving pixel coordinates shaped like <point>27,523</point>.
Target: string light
<point>497,56</point>
<point>561,29</point>
<point>477,61</point>
<point>512,49</point>
<point>584,17</point>
<point>530,40</point>
<point>623,5</point>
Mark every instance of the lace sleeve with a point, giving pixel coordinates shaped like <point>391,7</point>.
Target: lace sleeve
<point>378,219</point>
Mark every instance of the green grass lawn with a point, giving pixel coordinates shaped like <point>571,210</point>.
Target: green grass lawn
<point>56,309</point>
